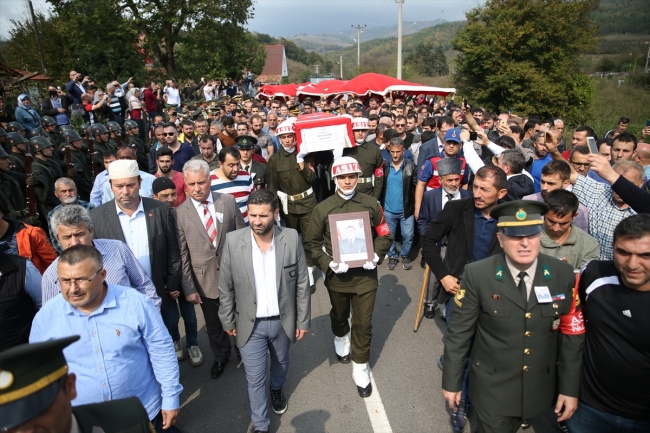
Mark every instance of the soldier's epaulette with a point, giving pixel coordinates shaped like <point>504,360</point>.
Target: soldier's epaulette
<point>499,274</point>
<point>547,272</point>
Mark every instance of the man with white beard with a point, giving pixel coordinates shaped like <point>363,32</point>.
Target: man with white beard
<point>433,202</point>
<point>66,191</point>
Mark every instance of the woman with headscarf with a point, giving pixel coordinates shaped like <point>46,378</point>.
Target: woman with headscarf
<point>135,109</point>
<point>26,115</point>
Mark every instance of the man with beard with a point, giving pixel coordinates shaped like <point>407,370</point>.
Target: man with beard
<point>291,179</point>
<point>349,287</point>
<point>165,161</point>
<point>471,235</point>
<point>182,151</point>
<point>208,151</point>
<point>231,179</point>
<point>371,180</point>
<point>264,139</point>
<point>434,202</point>
<point>66,191</point>
<point>541,155</point>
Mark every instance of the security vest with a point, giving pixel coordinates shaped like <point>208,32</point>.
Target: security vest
<point>434,182</point>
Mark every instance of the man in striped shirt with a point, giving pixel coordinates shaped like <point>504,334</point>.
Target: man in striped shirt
<point>229,178</point>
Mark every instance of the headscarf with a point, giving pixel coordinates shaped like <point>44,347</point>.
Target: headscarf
<point>134,101</point>
<point>20,102</point>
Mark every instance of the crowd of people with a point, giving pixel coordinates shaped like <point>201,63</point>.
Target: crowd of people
<point>537,251</point>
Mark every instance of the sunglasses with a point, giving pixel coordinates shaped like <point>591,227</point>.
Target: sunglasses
<point>168,134</point>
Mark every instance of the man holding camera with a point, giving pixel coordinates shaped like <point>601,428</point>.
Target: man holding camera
<point>57,105</point>
<point>75,87</point>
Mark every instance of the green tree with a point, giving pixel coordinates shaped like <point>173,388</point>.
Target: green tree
<point>421,59</point>
<point>328,67</point>
<point>440,66</point>
<point>523,54</point>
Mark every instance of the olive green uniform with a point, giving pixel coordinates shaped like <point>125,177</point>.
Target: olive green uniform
<point>142,154</point>
<point>258,173</point>
<point>357,286</point>
<point>12,195</point>
<point>17,161</point>
<point>46,172</point>
<point>214,164</point>
<point>519,356</point>
<point>372,166</point>
<point>284,174</point>
<point>84,178</point>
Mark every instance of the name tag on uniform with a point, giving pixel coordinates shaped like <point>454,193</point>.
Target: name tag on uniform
<point>543,295</point>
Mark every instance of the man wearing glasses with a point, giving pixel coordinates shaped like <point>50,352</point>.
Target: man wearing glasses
<point>182,151</point>
<point>400,127</point>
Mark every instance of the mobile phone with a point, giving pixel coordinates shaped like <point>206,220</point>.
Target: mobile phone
<point>593,148</point>
<point>510,110</point>
<point>465,103</point>
<point>647,123</point>
<point>473,135</point>
<point>503,123</point>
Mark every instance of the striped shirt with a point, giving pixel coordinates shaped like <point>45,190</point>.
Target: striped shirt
<point>115,105</point>
<point>121,266</point>
<point>240,188</point>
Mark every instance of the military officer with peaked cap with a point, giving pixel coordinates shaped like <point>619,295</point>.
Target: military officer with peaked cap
<point>350,288</point>
<point>257,170</point>
<point>36,391</point>
<point>521,308</point>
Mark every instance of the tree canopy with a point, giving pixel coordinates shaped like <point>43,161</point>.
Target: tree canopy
<point>523,54</point>
<point>427,61</point>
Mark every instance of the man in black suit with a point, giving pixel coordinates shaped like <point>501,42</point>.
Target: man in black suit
<point>147,226</point>
<point>512,161</point>
<point>472,236</point>
<point>432,203</point>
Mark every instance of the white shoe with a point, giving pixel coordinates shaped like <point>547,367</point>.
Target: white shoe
<point>196,357</point>
<point>361,374</point>
<point>179,350</point>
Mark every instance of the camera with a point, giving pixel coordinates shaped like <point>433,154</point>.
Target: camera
<point>473,135</point>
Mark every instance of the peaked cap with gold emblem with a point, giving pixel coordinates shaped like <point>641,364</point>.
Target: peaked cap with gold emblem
<point>520,217</point>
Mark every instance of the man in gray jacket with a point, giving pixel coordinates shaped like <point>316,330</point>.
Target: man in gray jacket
<point>265,300</point>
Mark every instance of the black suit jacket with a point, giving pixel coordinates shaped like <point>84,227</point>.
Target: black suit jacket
<point>47,107</point>
<point>162,233</point>
<point>431,205</point>
<point>456,223</point>
<point>519,186</point>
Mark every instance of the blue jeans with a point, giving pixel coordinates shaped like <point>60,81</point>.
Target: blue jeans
<point>587,419</point>
<point>407,227</point>
<point>171,317</point>
<point>268,335</point>
<point>449,307</point>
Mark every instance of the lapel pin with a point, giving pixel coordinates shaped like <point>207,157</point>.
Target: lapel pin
<point>150,214</point>
<point>496,297</point>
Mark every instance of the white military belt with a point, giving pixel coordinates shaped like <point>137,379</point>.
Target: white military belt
<point>365,180</point>
<point>300,196</point>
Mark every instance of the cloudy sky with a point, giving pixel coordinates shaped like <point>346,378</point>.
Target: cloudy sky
<point>290,17</point>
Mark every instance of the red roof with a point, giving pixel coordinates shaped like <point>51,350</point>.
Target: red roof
<point>274,60</point>
<point>22,74</point>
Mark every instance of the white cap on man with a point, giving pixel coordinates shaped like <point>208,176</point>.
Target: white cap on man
<point>123,169</point>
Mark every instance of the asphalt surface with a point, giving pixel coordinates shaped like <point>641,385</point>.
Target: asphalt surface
<point>322,395</point>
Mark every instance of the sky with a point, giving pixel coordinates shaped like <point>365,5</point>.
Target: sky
<point>291,17</point>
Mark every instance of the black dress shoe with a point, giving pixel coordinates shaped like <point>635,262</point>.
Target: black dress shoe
<point>217,369</point>
<point>365,392</point>
<point>429,311</point>
<point>343,359</point>
<point>312,289</point>
<point>423,264</point>
<point>525,424</point>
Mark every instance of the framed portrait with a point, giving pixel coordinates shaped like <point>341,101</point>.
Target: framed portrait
<point>351,238</point>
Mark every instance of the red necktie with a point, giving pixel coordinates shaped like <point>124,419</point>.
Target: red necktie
<point>210,227</point>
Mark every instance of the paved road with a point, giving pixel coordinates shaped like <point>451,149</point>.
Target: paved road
<point>322,396</point>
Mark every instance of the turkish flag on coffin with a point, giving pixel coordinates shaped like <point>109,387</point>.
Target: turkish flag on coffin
<point>323,131</point>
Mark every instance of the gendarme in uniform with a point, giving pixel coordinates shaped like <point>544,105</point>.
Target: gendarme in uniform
<point>371,179</point>
<point>36,391</point>
<point>529,334</point>
<point>346,287</point>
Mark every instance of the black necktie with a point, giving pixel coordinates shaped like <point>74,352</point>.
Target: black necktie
<point>522,287</point>
<point>450,197</point>
<point>246,168</point>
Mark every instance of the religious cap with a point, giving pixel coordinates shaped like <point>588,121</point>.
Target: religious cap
<point>123,169</point>
<point>447,166</point>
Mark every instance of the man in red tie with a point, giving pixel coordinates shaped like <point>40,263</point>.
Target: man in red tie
<point>203,222</point>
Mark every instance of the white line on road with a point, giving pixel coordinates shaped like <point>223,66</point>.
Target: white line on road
<point>376,411</point>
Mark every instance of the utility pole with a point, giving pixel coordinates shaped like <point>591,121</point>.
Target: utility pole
<point>38,37</point>
<point>399,39</point>
<point>647,71</point>
<point>359,42</point>
<point>340,62</point>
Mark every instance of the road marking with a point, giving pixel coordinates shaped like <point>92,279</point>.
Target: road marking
<point>376,412</point>
<point>194,395</point>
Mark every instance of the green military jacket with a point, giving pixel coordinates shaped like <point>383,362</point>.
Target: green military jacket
<point>372,164</point>
<point>355,280</point>
<point>518,360</point>
<point>284,174</point>
<point>577,250</point>
<point>125,415</point>
<point>17,161</point>
<point>214,164</point>
<point>12,194</point>
<point>258,173</point>
<point>47,172</point>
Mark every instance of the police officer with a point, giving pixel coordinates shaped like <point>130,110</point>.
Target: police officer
<point>516,304</point>
<point>257,170</point>
<point>46,170</point>
<point>290,178</point>
<point>81,162</point>
<point>356,287</point>
<point>371,180</point>
<point>36,391</point>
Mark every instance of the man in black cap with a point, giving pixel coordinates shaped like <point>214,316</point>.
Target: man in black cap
<point>246,145</point>
<point>164,190</point>
<point>513,306</point>
<point>36,390</point>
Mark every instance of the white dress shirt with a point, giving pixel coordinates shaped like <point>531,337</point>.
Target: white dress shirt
<point>266,291</point>
<point>134,228</point>
<point>204,218</point>
<point>445,199</point>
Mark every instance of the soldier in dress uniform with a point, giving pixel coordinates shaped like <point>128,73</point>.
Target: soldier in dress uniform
<point>36,391</point>
<point>371,180</point>
<point>142,154</point>
<point>291,179</point>
<point>49,127</point>
<point>46,170</point>
<point>357,287</point>
<point>81,163</point>
<point>257,170</point>
<point>18,145</point>
<point>101,140</point>
<point>523,313</point>
<point>115,133</point>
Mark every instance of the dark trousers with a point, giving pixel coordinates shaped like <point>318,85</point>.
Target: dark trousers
<point>157,423</point>
<point>588,419</point>
<point>489,423</point>
<point>434,287</point>
<point>300,223</point>
<point>361,332</point>
<point>219,340</point>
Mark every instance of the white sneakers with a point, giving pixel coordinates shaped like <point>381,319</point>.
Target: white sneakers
<point>179,350</point>
<point>196,357</point>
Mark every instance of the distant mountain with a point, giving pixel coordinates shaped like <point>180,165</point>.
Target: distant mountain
<point>325,42</point>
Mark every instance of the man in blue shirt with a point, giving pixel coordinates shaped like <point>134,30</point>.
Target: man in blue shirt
<point>399,201</point>
<point>96,195</point>
<point>124,350</point>
<point>541,157</point>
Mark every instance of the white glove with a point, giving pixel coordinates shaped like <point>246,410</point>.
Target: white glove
<point>339,268</point>
<point>300,157</point>
<point>369,266</point>
<point>338,151</point>
<point>376,259</point>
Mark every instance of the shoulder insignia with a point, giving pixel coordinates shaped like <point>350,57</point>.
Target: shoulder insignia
<point>460,294</point>
<point>499,274</point>
<point>547,272</point>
